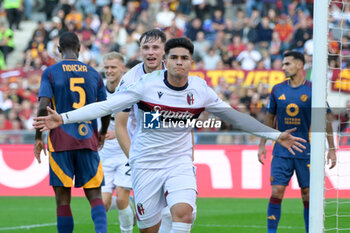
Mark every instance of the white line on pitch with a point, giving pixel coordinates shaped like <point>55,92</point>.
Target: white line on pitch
<point>244,226</point>
<point>27,227</point>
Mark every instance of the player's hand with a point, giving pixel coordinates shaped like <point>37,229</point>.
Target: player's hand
<point>262,151</point>
<point>332,158</point>
<point>287,140</point>
<point>51,121</point>
<point>110,135</point>
<point>38,147</point>
<point>101,140</point>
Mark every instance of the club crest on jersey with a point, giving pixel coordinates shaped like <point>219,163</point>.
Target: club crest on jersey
<point>140,209</point>
<point>303,98</point>
<point>190,98</point>
<point>160,94</point>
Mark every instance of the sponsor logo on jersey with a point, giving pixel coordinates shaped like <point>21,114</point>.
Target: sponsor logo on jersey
<point>121,82</point>
<point>282,97</point>
<point>152,120</point>
<point>190,98</point>
<point>168,113</point>
<point>160,94</point>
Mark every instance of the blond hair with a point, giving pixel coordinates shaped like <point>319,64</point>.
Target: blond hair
<point>113,55</point>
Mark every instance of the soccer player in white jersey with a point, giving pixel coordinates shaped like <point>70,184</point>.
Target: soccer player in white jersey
<point>152,52</point>
<point>114,162</point>
<point>161,158</point>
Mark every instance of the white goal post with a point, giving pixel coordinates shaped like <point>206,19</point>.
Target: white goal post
<point>318,115</point>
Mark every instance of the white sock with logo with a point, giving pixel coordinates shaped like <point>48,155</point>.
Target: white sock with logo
<point>126,219</point>
<point>166,224</point>
<point>181,227</point>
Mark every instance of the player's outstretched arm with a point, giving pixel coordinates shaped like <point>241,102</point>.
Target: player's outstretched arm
<point>287,140</point>
<point>51,121</point>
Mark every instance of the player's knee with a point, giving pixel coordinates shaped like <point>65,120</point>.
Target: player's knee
<point>122,202</point>
<point>107,205</point>
<point>277,192</point>
<point>305,194</point>
<point>183,214</point>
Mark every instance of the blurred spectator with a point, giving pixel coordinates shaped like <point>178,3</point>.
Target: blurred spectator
<point>49,7</point>
<point>211,59</point>
<point>285,31</point>
<point>14,9</point>
<point>201,46</point>
<point>118,10</point>
<point>28,5</point>
<point>302,34</point>
<point>249,57</point>
<point>193,28</point>
<point>74,18</point>
<point>86,7</point>
<point>6,40</point>
<point>264,33</point>
<point>106,15</point>
<point>218,22</point>
<point>165,17</point>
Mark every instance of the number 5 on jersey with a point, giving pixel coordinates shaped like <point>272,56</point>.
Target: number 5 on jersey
<point>75,88</point>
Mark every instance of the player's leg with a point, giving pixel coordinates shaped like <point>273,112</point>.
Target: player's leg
<point>126,214</point>
<point>281,172</point>
<point>65,223</point>
<point>122,180</point>
<point>108,188</point>
<point>61,178</point>
<point>166,223</point>
<point>98,210</point>
<point>89,175</point>
<point>149,197</point>
<point>302,170</point>
<point>180,190</point>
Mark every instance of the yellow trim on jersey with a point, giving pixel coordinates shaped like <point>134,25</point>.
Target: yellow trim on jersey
<point>49,143</point>
<point>95,181</point>
<point>53,103</point>
<point>66,180</point>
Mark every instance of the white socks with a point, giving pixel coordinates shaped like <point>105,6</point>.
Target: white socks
<point>126,219</point>
<point>165,226</point>
<point>181,227</point>
<point>113,203</point>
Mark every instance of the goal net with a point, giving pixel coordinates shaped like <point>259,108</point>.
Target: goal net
<point>330,197</point>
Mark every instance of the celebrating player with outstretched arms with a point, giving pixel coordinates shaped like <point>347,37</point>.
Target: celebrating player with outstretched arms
<point>161,159</point>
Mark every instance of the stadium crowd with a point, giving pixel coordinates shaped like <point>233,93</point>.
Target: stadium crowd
<point>227,34</point>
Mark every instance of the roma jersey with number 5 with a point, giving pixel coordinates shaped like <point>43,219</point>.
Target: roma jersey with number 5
<point>71,84</point>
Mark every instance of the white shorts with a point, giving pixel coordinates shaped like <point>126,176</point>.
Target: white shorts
<point>156,188</point>
<point>116,175</point>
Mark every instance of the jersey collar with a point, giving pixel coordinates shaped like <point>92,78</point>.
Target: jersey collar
<point>171,86</point>
<point>144,70</point>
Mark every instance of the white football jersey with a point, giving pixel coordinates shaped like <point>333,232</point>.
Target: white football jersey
<point>111,148</point>
<point>129,78</point>
<point>164,147</point>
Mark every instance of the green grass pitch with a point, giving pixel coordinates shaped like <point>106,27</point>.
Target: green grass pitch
<point>218,215</point>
